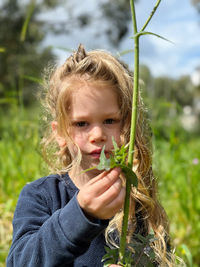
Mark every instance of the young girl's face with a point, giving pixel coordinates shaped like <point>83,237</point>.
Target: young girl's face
<point>95,118</point>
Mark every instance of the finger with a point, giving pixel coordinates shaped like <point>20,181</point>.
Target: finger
<point>113,207</point>
<point>118,202</point>
<point>112,200</point>
<point>111,193</point>
<point>106,181</point>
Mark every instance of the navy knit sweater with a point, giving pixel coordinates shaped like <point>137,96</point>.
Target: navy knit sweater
<point>50,229</point>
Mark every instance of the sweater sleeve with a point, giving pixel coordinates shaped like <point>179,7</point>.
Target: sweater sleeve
<point>47,240</point>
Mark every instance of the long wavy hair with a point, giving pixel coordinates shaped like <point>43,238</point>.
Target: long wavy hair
<point>98,66</point>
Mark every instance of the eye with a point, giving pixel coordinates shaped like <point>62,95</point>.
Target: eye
<point>80,124</point>
<point>109,121</point>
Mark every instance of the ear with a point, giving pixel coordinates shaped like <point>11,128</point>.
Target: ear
<point>60,140</point>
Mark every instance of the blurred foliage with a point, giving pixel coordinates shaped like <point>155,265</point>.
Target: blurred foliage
<point>115,15</point>
<point>21,52</point>
<point>196,3</point>
<point>21,58</point>
<point>168,100</point>
<point>118,15</point>
<point>20,163</point>
<point>177,164</point>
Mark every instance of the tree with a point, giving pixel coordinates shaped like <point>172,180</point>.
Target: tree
<point>27,58</point>
<point>118,16</point>
<point>21,58</point>
<point>196,3</point>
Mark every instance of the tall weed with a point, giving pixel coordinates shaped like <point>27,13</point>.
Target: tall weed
<point>20,163</point>
<point>178,167</point>
<point>20,160</point>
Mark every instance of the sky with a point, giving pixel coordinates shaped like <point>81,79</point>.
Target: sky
<point>176,20</point>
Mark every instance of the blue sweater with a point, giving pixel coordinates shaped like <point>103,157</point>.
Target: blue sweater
<point>50,229</point>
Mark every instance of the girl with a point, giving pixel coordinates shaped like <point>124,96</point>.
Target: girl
<point>67,218</point>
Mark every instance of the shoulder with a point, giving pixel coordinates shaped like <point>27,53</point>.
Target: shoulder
<point>50,181</point>
<point>52,178</point>
<point>42,184</point>
<point>52,190</point>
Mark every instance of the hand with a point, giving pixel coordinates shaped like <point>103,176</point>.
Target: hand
<point>103,196</point>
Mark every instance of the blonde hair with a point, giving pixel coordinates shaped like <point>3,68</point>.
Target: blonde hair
<point>100,66</point>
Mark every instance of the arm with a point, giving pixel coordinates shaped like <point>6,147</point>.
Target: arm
<point>44,239</point>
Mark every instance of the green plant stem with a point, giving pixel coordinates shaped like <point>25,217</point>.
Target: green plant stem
<point>151,15</point>
<point>132,137</point>
<point>133,123</point>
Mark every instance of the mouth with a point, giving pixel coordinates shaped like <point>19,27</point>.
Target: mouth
<point>97,152</point>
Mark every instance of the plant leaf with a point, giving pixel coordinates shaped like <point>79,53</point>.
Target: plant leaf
<point>26,22</point>
<point>111,256</point>
<point>188,254</point>
<point>143,254</point>
<point>104,163</point>
<point>115,144</point>
<point>129,173</point>
<point>124,52</point>
<point>119,154</point>
<point>151,33</point>
<point>33,79</point>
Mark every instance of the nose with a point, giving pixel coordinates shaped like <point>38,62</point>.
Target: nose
<point>97,134</point>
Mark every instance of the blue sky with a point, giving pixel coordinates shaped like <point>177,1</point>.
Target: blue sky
<point>177,20</point>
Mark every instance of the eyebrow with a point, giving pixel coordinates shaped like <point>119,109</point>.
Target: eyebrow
<point>85,116</point>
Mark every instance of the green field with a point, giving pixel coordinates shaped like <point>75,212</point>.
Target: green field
<point>176,164</point>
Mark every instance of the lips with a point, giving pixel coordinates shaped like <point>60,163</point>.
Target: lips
<point>97,152</point>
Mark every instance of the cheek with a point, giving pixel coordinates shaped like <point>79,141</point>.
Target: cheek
<point>79,139</point>
<point>116,133</point>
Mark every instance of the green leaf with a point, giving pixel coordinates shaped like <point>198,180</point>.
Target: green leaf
<point>104,163</point>
<point>128,172</point>
<point>151,33</point>
<point>188,254</point>
<point>144,254</point>
<point>124,52</point>
<point>111,256</point>
<point>119,154</point>
<point>141,238</point>
<point>116,148</point>
<point>26,22</point>
<point>33,79</point>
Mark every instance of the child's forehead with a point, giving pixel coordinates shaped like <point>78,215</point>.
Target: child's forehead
<point>77,82</point>
<point>94,97</point>
<point>93,92</point>
<point>77,85</point>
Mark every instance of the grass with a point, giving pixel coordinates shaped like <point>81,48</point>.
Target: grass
<point>20,163</point>
<point>177,164</point>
